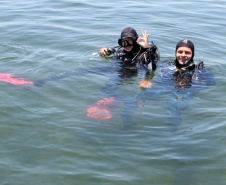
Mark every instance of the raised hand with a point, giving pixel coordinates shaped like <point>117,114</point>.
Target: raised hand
<point>144,39</point>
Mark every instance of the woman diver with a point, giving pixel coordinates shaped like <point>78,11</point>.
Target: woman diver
<point>134,50</point>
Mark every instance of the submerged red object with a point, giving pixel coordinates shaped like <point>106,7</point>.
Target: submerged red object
<point>4,77</point>
<point>99,110</point>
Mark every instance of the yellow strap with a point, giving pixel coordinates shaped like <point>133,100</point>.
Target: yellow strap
<point>178,68</point>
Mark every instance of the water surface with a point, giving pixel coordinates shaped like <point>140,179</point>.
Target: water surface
<point>45,135</point>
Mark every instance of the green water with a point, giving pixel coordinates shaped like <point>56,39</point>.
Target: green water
<point>45,134</point>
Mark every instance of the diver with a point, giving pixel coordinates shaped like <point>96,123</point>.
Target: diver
<point>181,80</point>
<point>134,51</point>
<point>189,78</point>
<point>185,52</point>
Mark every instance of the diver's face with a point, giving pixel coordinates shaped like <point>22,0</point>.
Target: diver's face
<point>130,41</point>
<point>183,55</point>
<point>128,48</point>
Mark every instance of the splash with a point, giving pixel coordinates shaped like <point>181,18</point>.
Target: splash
<point>4,77</point>
<point>99,110</point>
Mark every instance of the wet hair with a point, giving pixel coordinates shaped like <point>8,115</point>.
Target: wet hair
<point>186,43</point>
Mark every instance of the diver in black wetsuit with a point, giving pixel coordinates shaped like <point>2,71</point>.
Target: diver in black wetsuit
<point>181,80</point>
<point>189,78</point>
<point>132,52</point>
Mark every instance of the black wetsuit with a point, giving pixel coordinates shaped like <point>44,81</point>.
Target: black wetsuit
<point>138,57</point>
<point>181,84</point>
<point>126,67</point>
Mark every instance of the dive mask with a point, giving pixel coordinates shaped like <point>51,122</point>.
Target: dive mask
<point>125,42</point>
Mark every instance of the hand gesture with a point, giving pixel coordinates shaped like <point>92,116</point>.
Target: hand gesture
<point>144,39</point>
